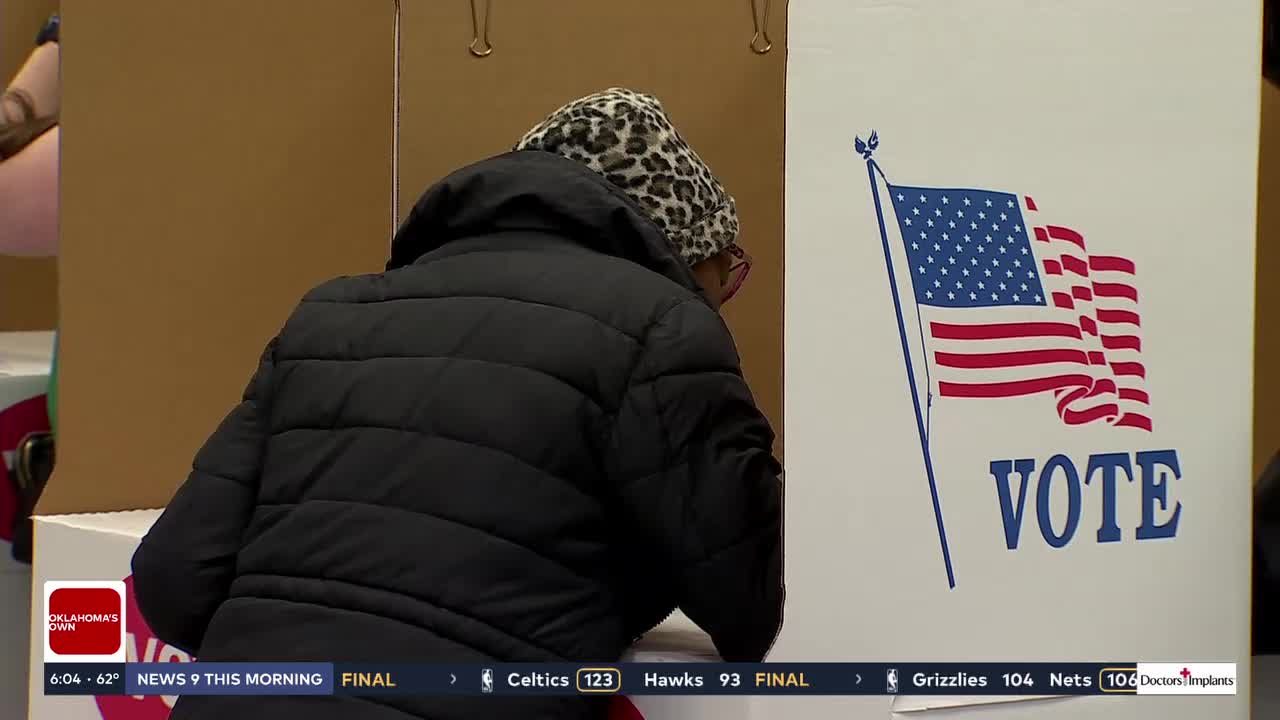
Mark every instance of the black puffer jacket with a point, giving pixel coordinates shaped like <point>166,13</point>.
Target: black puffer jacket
<point>528,441</point>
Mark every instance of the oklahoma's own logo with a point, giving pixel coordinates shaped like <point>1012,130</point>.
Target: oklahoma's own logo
<point>141,645</point>
<point>84,621</point>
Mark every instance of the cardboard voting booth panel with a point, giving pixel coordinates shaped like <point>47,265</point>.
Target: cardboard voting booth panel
<point>725,99</point>
<point>20,21</point>
<point>28,286</point>
<point>1266,421</point>
<point>278,165</point>
<point>1028,435</point>
<point>28,294</point>
<point>190,228</point>
<point>695,57</point>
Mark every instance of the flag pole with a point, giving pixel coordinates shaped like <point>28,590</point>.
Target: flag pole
<point>866,149</point>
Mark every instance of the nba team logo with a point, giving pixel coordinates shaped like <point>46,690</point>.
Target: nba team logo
<point>84,621</point>
<point>996,299</point>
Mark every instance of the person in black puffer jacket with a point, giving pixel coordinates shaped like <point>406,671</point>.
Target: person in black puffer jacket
<point>529,440</point>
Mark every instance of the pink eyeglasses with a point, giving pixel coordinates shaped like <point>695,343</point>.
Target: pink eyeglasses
<point>739,267</point>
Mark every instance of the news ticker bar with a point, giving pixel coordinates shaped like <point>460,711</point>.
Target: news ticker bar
<point>668,678</point>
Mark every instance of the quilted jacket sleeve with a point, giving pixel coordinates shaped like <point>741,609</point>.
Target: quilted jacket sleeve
<point>697,478</point>
<point>183,569</point>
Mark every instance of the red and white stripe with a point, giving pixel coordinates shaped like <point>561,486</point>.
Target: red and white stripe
<point>1086,349</point>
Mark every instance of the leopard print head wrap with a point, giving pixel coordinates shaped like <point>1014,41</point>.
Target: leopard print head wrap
<point>628,138</point>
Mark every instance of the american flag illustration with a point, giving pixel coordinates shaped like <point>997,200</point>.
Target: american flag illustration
<point>1006,305</point>
<point>1010,306</point>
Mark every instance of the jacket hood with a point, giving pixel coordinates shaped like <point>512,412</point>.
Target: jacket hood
<point>535,191</point>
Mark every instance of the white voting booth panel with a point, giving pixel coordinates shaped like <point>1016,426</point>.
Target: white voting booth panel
<point>1019,282</point>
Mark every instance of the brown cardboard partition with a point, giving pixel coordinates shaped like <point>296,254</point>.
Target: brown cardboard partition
<point>28,287</point>
<point>20,20</point>
<point>218,160</point>
<point>1266,362</point>
<point>694,55</point>
<point>28,293</point>
<point>228,156</point>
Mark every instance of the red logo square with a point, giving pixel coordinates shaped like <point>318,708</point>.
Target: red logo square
<point>85,621</point>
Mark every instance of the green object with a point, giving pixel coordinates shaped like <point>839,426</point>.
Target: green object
<point>53,389</point>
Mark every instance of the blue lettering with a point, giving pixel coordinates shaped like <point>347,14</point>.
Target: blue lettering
<point>1109,463</point>
<point>1152,470</point>
<point>1073,500</point>
<point>1011,515</point>
<point>1155,487</point>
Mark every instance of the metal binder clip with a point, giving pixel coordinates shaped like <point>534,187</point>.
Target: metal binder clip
<point>480,46</point>
<point>760,42</point>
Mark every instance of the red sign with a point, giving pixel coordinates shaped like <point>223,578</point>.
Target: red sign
<point>17,422</point>
<point>85,621</point>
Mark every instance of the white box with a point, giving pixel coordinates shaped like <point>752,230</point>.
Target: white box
<point>94,546</point>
